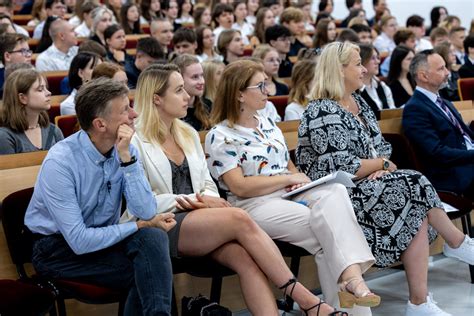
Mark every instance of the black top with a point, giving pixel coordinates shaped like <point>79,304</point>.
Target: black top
<point>295,48</point>
<point>95,38</point>
<point>466,70</point>
<point>181,178</point>
<point>192,120</point>
<point>285,69</point>
<point>132,73</point>
<point>110,57</point>
<point>281,88</point>
<point>400,95</point>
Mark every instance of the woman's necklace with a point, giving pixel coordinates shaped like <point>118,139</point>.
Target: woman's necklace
<point>34,127</point>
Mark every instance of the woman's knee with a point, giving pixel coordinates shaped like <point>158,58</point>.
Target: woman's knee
<point>242,221</point>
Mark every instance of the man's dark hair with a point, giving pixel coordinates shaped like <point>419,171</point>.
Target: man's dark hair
<point>348,35</point>
<point>268,3</point>
<point>375,2</point>
<point>93,99</point>
<point>8,42</point>
<point>219,9</point>
<point>420,59</point>
<point>468,42</point>
<point>350,3</point>
<point>184,34</point>
<point>151,47</point>
<point>274,32</point>
<point>49,3</point>
<point>415,20</point>
<point>322,5</point>
<point>457,29</point>
<point>403,35</point>
<point>359,28</point>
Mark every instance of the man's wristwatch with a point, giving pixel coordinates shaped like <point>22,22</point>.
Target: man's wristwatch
<point>132,161</point>
<point>385,164</point>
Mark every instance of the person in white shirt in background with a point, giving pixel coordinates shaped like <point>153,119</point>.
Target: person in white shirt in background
<point>84,28</point>
<point>456,37</point>
<point>6,7</point>
<point>60,54</point>
<point>184,12</point>
<point>252,8</point>
<point>417,24</point>
<point>53,8</point>
<point>301,79</point>
<point>241,24</point>
<point>223,17</point>
<point>374,91</point>
<point>384,42</point>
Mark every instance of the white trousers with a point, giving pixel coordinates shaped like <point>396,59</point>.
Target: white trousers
<point>320,220</point>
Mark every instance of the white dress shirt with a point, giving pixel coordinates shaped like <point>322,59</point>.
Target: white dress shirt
<point>423,44</point>
<point>383,43</point>
<point>68,106</point>
<point>53,59</point>
<point>82,30</point>
<point>372,92</point>
<point>38,30</point>
<point>21,30</point>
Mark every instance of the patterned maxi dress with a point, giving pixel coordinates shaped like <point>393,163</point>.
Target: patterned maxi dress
<point>390,209</point>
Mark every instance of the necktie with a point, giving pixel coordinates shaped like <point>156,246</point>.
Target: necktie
<point>451,117</point>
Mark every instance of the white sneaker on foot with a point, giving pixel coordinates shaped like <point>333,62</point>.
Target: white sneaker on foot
<point>426,309</point>
<point>465,252</point>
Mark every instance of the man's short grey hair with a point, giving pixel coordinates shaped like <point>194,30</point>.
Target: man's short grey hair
<point>419,61</point>
<point>55,28</point>
<point>93,99</point>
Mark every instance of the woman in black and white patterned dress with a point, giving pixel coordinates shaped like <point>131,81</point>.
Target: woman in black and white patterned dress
<point>395,208</point>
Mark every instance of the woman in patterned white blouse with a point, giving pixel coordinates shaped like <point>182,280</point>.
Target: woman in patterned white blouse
<point>248,155</point>
<point>395,208</point>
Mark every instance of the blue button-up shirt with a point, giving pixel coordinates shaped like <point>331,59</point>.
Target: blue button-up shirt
<point>78,194</point>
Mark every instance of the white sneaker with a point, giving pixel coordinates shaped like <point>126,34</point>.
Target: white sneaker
<point>465,252</point>
<point>429,308</point>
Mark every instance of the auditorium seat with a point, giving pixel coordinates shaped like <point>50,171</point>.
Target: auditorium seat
<point>280,102</point>
<point>67,124</point>
<point>132,39</point>
<point>54,79</point>
<point>466,88</point>
<point>22,19</point>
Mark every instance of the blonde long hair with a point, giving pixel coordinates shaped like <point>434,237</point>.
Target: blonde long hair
<point>155,80</point>
<point>210,68</point>
<point>328,78</point>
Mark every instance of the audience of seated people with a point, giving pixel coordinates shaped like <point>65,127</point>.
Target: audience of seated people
<point>284,42</point>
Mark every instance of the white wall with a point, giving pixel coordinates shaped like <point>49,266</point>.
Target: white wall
<point>402,9</point>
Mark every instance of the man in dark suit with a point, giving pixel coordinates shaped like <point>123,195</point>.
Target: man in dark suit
<point>467,70</point>
<point>436,128</point>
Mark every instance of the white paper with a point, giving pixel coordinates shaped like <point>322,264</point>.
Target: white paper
<point>341,177</point>
<point>449,208</point>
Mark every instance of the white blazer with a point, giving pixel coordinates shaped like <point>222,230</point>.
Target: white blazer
<point>158,172</point>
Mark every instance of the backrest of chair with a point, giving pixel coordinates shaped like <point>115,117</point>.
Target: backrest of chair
<point>402,153</point>
<point>280,102</point>
<point>54,79</point>
<point>466,88</point>
<point>67,124</point>
<point>19,239</point>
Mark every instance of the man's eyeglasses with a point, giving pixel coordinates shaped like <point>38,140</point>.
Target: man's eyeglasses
<point>262,86</point>
<point>25,52</point>
<point>286,38</point>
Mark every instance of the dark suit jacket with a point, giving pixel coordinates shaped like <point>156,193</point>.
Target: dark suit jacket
<point>466,70</point>
<point>440,145</point>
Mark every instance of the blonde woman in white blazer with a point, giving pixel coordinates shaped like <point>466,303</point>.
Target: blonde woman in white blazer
<point>170,150</point>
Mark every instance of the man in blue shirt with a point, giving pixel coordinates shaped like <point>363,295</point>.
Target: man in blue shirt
<point>75,209</point>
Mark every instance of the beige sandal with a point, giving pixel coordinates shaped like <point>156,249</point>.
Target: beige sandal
<point>349,296</point>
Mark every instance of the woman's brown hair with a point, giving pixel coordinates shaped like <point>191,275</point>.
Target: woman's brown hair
<point>13,112</point>
<point>235,79</point>
<point>301,78</point>
<point>106,69</point>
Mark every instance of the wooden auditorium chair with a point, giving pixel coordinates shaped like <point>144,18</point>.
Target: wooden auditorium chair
<point>466,88</point>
